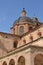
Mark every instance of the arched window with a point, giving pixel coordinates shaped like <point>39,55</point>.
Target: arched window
<point>4,63</point>
<point>38,60</point>
<point>21,30</point>
<point>12,62</point>
<point>21,60</point>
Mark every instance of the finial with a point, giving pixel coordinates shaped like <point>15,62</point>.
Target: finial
<point>23,8</point>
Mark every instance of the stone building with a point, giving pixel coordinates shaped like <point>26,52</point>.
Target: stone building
<point>24,45</point>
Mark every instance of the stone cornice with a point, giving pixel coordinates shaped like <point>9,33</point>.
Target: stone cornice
<point>26,46</point>
<point>8,35</point>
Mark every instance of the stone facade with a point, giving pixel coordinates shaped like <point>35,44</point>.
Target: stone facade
<point>24,45</point>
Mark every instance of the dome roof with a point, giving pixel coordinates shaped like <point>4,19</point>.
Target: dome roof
<point>35,19</point>
<point>23,19</point>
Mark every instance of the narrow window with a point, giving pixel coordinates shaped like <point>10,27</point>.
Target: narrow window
<point>15,45</point>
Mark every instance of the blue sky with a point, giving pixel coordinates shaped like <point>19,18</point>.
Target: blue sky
<point>10,10</point>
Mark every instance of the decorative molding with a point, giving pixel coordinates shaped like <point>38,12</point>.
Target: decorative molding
<point>31,37</point>
<point>39,33</point>
<point>24,41</point>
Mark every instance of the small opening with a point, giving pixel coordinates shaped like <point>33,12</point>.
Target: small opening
<point>6,37</point>
<point>37,24</point>
<point>15,45</point>
<point>30,28</point>
<point>24,41</point>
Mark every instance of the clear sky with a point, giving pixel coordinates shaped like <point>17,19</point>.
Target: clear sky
<point>10,10</point>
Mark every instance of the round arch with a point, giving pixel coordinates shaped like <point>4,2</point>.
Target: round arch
<point>4,63</point>
<point>38,60</point>
<point>12,62</point>
<point>21,60</point>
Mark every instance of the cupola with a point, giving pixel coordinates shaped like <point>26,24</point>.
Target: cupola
<point>23,12</point>
<point>35,19</point>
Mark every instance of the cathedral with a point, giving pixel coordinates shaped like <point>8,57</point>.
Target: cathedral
<point>24,44</point>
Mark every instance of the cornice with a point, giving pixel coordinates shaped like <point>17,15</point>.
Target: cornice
<point>26,46</point>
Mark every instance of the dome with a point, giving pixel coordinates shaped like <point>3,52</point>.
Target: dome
<point>23,19</point>
<point>35,19</point>
<point>26,19</point>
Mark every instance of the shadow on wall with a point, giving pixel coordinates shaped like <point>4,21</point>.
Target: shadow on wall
<point>3,47</point>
